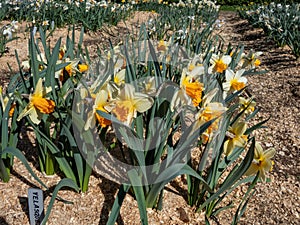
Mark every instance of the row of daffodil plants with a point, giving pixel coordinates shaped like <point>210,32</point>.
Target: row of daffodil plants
<point>91,14</point>
<point>141,114</point>
<point>280,22</point>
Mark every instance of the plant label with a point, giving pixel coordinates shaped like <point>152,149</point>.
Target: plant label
<point>36,206</point>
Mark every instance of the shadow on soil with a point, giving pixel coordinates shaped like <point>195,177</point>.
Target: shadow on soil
<point>109,190</point>
<point>3,221</point>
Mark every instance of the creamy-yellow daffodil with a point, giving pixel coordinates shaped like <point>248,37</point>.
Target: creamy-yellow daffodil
<point>129,102</point>
<point>262,161</point>
<point>236,137</point>
<point>148,85</point>
<point>38,104</point>
<point>248,104</point>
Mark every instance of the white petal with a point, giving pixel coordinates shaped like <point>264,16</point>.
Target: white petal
<point>91,121</point>
<point>197,71</point>
<point>229,74</point>
<point>226,59</point>
<point>239,73</point>
<point>243,79</point>
<point>226,86</point>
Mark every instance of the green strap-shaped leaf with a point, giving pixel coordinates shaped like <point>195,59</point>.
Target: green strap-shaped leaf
<point>66,182</point>
<point>139,194</point>
<point>169,174</point>
<point>17,153</point>
<point>115,210</point>
<point>63,163</point>
<point>4,175</point>
<point>256,126</point>
<point>236,176</point>
<point>242,206</point>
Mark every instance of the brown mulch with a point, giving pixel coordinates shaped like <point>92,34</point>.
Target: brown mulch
<point>277,94</point>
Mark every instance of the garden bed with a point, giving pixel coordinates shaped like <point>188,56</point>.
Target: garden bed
<point>277,202</point>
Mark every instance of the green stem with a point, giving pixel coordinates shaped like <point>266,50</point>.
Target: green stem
<point>50,163</point>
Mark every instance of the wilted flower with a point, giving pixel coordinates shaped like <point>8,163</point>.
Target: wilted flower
<point>162,46</point>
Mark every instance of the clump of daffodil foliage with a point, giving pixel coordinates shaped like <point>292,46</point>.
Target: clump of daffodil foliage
<point>280,22</point>
<point>138,113</point>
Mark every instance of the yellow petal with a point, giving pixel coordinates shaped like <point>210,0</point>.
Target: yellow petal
<point>39,90</point>
<point>228,147</point>
<point>34,116</point>
<point>27,110</point>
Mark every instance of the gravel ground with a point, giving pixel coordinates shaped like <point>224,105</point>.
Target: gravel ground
<point>277,202</point>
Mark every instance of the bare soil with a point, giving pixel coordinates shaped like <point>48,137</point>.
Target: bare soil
<point>277,93</point>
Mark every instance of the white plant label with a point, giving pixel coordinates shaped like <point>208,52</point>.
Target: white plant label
<point>36,205</point>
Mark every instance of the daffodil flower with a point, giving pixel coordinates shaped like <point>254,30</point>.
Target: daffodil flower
<point>190,92</point>
<point>162,46</point>
<point>100,102</point>
<point>41,59</point>
<point>68,70</point>
<point>236,137</point>
<point>119,77</point>
<point>62,52</point>
<point>120,62</point>
<point>248,104</point>
<point>129,102</point>
<point>148,86</point>
<point>209,111</point>
<point>191,84</point>
<point>262,161</point>
<point>82,67</point>
<point>251,60</point>
<point>38,104</point>
<point>219,63</point>
<point>4,102</point>
<point>234,81</point>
